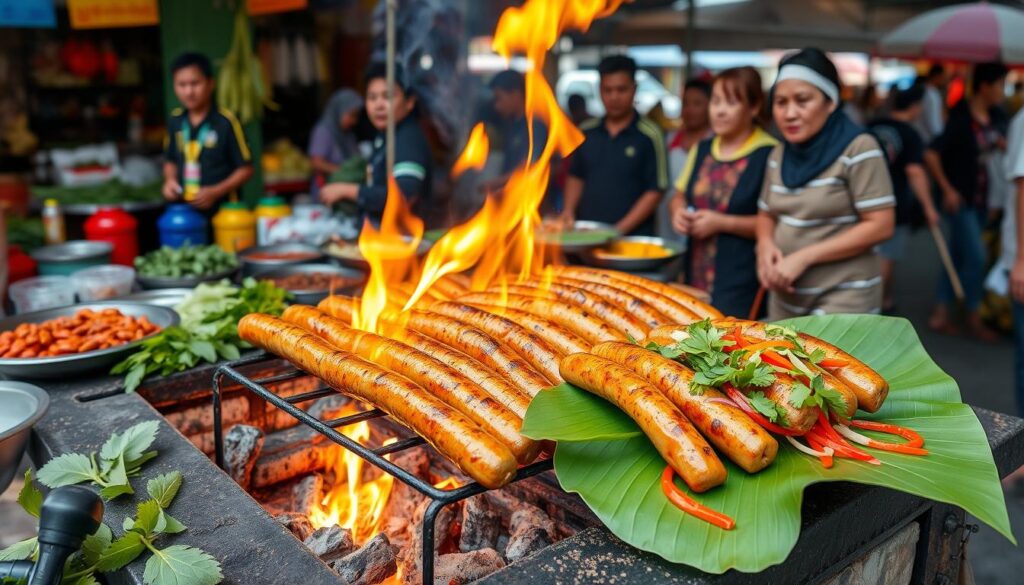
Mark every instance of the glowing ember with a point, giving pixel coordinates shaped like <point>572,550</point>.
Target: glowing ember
<point>353,503</point>
<point>499,239</point>
<point>447,484</point>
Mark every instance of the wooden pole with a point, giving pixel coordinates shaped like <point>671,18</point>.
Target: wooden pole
<point>389,152</point>
<point>947,262</point>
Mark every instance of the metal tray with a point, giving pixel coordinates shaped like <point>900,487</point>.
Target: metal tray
<point>314,296</point>
<point>604,233</point>
<point>354,259</point>
<point>24,404</point>
<point>252,267</point>
<point>65,366</point>
<point>636,264</point>
<point>161,297</point>
<point>159,282</point>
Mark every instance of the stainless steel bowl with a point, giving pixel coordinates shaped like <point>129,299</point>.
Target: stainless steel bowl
<point>354,280</point>
<point>158,282</point>
<point>347,254</point>
<point>584,235</point>
<point>64,259</point>
<point>593,258</point>
<point>163,297</point>
<point>65,366</point>
<point>253,266</point>
<point>23,405</point>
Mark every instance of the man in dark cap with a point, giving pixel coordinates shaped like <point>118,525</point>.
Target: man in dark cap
<point>509,88</point>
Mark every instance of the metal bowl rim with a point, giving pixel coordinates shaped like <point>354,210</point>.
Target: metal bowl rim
<point>676,248</point>
<point>170,314</point>
<point>42,405</point>
<point>243,256</point>
<point>93,248</point>
<point>304,268</point>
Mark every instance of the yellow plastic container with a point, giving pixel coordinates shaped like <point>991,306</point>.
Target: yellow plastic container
<point>234,227</point>
<point>268,211</point>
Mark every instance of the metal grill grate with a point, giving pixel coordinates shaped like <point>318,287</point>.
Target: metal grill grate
<point>439,498</point>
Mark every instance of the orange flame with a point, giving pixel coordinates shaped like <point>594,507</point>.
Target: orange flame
<point>499,239</point>
<point>474,156</point>
<point>353,503</point>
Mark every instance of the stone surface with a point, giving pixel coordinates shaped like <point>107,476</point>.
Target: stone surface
<point>889,563</point>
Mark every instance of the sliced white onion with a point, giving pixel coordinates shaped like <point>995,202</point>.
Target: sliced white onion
<point>800,365</point>
<point>828,452</point>
<point>679,335</point>
<point>723,400</point>
<point>852,435</point>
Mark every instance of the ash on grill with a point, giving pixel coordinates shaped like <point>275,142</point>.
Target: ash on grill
<point>287,468</point>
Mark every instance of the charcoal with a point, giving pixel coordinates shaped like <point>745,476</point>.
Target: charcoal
<point>526,542</point>
<point>404,500</point>
<point>374,562</point>
<point>528,516</point>
<point>298,524</point>
<point>481,525</point>
<point>330,543</point>
<point>242,445</point>
<point>290,454</point>
<point>462,568</point>
<point>307,493</point>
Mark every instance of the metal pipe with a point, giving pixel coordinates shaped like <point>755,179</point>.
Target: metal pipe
<point>389,136</point>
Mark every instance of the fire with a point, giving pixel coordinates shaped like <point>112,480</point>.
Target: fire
<point>499,239</point>
<point>474,156</point>
<point>447,484</point>
<point>353,503</point>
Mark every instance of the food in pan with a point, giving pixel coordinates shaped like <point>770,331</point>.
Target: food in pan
<point>87,330</point>
<point>622,249</point>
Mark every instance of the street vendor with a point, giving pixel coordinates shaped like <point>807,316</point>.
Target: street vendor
<point>206,157</point>
<point>412,171</point>
<point>509,88</point>
<point>619,174</point>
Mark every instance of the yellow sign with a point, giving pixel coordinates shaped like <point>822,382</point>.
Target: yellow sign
<point>113,13</point>
<point>257,7</point>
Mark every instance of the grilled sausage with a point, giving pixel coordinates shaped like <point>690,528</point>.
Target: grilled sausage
<point>618,297</point>
<point>595,304</point>
<point>731,431</point>
<point>676,312</point>
<point>481,346</point>
<point>442,381</point>
<point>339,306</point>
<point>449,287</point>
<point>576,319</point>
<point>558,336</point>
<point>530,346</point>
<point>454,435</point>
<point>682,447</point>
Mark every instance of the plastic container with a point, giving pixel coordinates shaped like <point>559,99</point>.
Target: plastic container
<point>100,283</point>
<point>234,227</point>
<point>119,228</point>
<point>53,223</point>
<point>64,259</point>
<point>19,264</point>
<point>268,211</point>
<point>182,225</point>
<point>42,292</point>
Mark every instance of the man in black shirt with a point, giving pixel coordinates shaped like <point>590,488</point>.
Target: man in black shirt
<point>904,150</point>
<point>205,156</point>
<point>509,88</point>
<point>619,174</point>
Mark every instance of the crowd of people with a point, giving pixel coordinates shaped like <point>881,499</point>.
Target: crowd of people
<point>790,194</point>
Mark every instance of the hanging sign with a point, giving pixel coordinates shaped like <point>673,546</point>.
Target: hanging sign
<point>113,13</point>
<point>27,14</point>
<point>257,7</point>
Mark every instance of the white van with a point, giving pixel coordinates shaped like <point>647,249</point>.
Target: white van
<point>649,92</point>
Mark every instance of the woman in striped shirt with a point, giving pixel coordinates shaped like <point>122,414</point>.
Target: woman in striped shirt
<point>827,199</point>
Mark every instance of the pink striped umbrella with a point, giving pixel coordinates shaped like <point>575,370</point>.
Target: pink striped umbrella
<point>974,33</point>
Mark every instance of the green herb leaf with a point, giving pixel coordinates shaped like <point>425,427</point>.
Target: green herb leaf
<point>133,466</point>
<point>833,400</point>
<point>87,579</point>
<point>134,378</point>
<point>179,564</point>
<point>19,551</point>
<point>67,469</point>
<point>95,544</point>
<point>203,349</point>
<point>132,443</point>
<point>114,491</point>
<point>801,396</point>
<point>121,552</point>
<point>816,355</point>
<point>146,517</point>
<point>163,488</point>
<point>30,498</point>
<point>765,406</point>
<point>170,524</point>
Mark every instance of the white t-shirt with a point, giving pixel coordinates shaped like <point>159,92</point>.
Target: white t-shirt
<point>1013,163</point>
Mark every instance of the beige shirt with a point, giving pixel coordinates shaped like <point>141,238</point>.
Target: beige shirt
<point>857,182</point>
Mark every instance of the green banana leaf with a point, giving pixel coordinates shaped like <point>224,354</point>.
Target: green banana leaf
<point>602,455</point>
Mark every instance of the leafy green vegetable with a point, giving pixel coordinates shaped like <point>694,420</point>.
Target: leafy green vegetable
<point>185,261</point>
<point>26,233</point>
<point>113,191</point>
<point>30,498</point>
<point>121,456</point>
<point>768,408</point>
<point>208,330</point>
<point>766,506</point>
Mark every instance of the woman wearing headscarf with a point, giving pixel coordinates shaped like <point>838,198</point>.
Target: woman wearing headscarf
<point>827,199</point>
<point>333,141</point>
<point>715,196</point>
<point>413,160</point>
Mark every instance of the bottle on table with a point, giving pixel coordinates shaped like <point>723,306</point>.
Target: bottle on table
<point>269,210</point>
<point>234,227</point>
<point>181,225</point>
<point>115,225</point>
<point>54,231</point>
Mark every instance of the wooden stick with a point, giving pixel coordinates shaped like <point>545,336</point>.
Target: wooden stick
<point>756,307</point>
<point>954,278</point>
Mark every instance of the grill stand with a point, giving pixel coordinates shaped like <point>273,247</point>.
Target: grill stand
<point>439,497</point>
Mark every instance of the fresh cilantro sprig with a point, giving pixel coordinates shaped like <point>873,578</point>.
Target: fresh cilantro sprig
<point>121,457</point>
<point>102,553</point>
<point>767,407</point>
<point>817,394</point>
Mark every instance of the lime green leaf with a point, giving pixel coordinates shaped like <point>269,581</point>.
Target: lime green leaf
<point>95,544</point>
<point>552,414</point>
<point>180,565</point>
<point>163,488</point>
<point>19,551</point>
<point>169,524</point>
<point>146,517</point>
<point>30,498</point>
<point>121,552</point>
<point>67,469</point>
<point>619,478</point>
<point>132,443</point>
<point>87,579</point>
